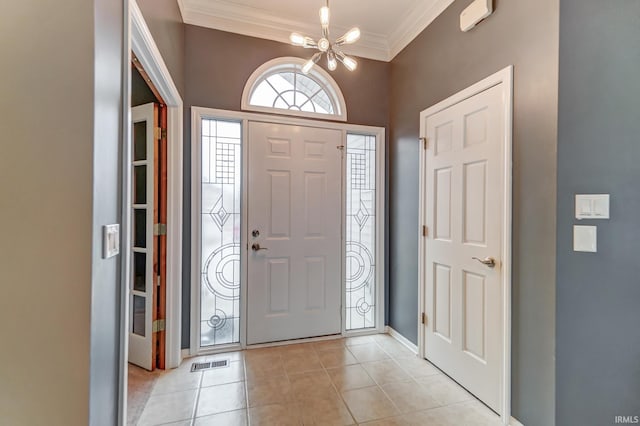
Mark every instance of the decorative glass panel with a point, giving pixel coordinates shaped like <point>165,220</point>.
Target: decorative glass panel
<point>220,221</point>
<point>292,90</point>
<point>361,231</point>
<point>138,321</point>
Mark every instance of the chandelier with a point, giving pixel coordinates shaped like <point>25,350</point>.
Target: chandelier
<point>325,46</point>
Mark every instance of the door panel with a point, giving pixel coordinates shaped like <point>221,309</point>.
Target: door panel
<point>141,288</point>
<point>464,209</point>
<point>294,277</point>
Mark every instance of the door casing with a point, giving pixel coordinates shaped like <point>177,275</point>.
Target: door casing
<point>197,113</point>
<point>505,79</point>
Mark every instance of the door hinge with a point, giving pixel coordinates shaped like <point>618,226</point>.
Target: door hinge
<point>160,133</point>
<point>425,142</point>
<point>424,318</point>
<point>159,229</point>
<point>425,230</point>
<point>158,325</point>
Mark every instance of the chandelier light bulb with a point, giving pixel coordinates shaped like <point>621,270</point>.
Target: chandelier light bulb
<point>297,39</point>
<point>350,37</point>
<point>311,62</point>
<point>332,63</point>
<point>324,16</point>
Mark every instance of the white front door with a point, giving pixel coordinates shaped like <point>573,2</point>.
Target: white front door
<point>294,224</point>
<point>464,214</point>
<point>142,275</point>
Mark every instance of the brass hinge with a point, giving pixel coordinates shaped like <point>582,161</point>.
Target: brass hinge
<point>425,142</point>
<point>158,325</point>
<point>425,230</point>
<point>159,133</point>
<point>424,318</point>
<point>160,229</point>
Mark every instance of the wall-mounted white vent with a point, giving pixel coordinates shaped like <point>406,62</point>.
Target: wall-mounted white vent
<point>474,13</point>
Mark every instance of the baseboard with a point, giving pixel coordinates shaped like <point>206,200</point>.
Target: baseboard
<point>515,422</point>
<point>401,339</point>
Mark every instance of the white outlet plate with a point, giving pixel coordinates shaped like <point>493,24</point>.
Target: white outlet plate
<point>585,238</point>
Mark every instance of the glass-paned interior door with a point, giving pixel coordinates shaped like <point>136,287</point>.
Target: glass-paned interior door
<point>141,282</point>
<point>220,224</point>
<point>361,232</point>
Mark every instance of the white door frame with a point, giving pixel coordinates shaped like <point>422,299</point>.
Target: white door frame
<point>138,40</point>
<point>197,113</point>
<point>504,78</point>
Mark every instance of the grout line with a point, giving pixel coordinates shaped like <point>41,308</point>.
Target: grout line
<point>195,406</point>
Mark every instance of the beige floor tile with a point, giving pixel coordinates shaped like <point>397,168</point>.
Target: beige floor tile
<point>314,384</point>
<point>367,352</point>
<point>232,373</point>
<point>468,413</point>
<point>369,404</point>
<point>231,356</point>
<point>392,421</point>
<point>350,377</point>
<point>329,411</point>
<point>230,418</point>
<point>410,396</point>
<point>444,389</point>
<point>275,415</point>
<point>263,365</point>
<point>269,390</point>
<point>417,367</point>
<point>297,349</point>
<point>297,362</point>
<point>169,407</point>
<point>328,344</point>
<point>358,340</point>
<point>176,380</point>
<point>395,349</point>
<point>336,357</point>
<point>221,398</point>
<point>387,371</point>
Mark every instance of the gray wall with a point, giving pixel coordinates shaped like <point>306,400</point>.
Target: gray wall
<point>598,294</point>
<point>59,111</point>
<point>107,195</point>
<point>217,66</point>
<point>165,24</point>
<point>438,63</point>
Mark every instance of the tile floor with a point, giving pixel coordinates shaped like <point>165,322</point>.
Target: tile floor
<point>372,380</point>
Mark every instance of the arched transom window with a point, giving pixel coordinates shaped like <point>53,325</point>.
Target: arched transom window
<point>280,86</point>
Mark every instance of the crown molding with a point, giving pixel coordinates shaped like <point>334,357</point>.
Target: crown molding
<point>256,22</point>
<point>414,23</point>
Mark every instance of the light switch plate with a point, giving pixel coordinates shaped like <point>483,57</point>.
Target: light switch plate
<point>592,206</point>
<point>585,238</point>
<point>110,240</point>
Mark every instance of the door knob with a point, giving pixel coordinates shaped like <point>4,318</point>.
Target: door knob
<point>256,247</point>
<point>488,261</point>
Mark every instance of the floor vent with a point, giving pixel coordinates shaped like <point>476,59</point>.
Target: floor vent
<point>199,366</point>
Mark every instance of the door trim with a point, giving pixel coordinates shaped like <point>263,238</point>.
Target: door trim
<point>504,78</point>
<point>138,39</point>
<point>197,113</point>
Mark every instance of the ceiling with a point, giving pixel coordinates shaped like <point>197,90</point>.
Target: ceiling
<point>387,25</point>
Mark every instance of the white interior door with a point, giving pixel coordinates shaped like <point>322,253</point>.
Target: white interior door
<point>294,222</point>
<point>142,215</point>
<point>464,209</point>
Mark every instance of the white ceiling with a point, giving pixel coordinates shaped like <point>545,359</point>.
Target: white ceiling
<point>387,25</point>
